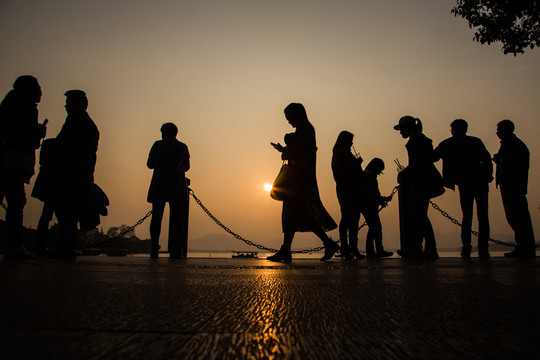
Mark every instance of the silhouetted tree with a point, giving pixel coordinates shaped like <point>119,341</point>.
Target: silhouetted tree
<point>515,23</point>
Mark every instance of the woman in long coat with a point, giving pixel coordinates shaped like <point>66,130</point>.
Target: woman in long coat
<point>302,209</point>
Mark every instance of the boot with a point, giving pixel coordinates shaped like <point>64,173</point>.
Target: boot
<point>284,254</point>
<point>330,248</point>
<point>345,252</point>
<point>381,253</point>
<point>154,252</point>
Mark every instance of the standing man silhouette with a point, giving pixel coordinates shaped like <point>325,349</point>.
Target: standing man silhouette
<point>512,176</point>
<point>76,146</point>
<point>20,136</point>
<point>467,164</point>
<point>170,160</point>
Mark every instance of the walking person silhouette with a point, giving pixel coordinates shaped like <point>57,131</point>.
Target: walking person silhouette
<point>302,209</point>
<point>169,158</point>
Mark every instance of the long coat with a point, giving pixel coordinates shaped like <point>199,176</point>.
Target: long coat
<point>20,136</point>
<point>170,160</point>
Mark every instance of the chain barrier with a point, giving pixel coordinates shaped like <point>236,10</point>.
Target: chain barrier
<point>305,251</point>
<point>126,231</point>
<point>475,233</point>
<point>261,247</point>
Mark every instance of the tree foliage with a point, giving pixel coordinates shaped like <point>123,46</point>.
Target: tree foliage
<point>515,23</point>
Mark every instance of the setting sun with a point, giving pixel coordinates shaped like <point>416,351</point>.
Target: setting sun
<point>267,187</point>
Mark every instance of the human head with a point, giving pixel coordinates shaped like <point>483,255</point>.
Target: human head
<point>344,140</point>
<point>376,166</point>
<point>459,127</point>
<point>76,101</point>
<point>168,130</point>
<point>29,86</point>
<point>505,128</point>
<point>408,125</point>
<point>296,114</point>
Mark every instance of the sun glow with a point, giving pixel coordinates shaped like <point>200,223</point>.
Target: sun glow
<point>267,187</point>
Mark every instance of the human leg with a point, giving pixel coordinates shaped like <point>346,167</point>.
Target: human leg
<point>43,228</point>
<point>16,199</point>
<point>155,227</point>
<point>517,213</point>
<point>466,200</point>
<point>175,230</point>
<point>481,197</point>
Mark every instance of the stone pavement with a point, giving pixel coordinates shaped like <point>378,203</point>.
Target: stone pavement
<point>137,308</point>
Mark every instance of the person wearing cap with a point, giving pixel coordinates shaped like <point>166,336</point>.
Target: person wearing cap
<point>512,174</point>
<point>420,179</point>
<point>467,164</point>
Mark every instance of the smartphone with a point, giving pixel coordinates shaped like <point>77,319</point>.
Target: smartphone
<point>45,122</point>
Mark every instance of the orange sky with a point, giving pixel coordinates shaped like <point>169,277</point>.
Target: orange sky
<point>224,71</point>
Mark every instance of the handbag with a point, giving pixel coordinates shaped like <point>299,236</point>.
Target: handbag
<point>435,185</point>
<point>284,183</point>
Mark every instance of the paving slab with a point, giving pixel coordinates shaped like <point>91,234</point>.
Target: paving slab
<point>138,308</point>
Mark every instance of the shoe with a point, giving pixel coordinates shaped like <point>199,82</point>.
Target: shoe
<point>154,252</point>
<point>62,254</point>
<point>330,248</point>
<point>430,255</point>
<point>483,253</point>
<point>466,252</point>
<point>357,254</point>
<point>345,252</point>
<point>372,255</point>
<point>282,255</point>
<point>177,255</point>
<point>410,254</point>
<point>18,253</point>
<point>383,254</point>
<point>520,254</point>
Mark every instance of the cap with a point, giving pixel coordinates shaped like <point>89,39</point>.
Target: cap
<point>406,120</point>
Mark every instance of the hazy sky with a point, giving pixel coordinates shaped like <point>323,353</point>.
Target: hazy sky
<point>224,70</point>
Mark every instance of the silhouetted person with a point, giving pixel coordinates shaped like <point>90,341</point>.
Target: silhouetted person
<point>303,210</point>
<point>467,164</point>
<point>512,175</point>
<point>347,171</point>
<point>170,160</point>
<point>20,136</point>
<point>418,178</point>
<point>371,199</point>
<point>74,165</point>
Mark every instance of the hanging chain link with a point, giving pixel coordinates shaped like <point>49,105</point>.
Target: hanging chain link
<point>261,247</point>
<point>475,233</point>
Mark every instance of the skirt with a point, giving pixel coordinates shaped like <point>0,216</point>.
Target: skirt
<point>305,215</point>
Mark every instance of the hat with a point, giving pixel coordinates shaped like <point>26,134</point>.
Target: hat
<point>406,120</point>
